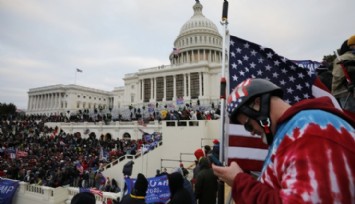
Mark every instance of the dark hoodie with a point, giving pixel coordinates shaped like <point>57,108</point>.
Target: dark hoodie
<point>206,184</point>
<point>179,194</point>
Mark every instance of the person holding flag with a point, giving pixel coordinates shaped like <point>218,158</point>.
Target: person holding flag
<point>311,156</point>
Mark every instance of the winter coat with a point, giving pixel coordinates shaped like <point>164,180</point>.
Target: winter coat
<point>179,194</point>
<point>206,183</point>
<point>339,88</point>
<point>311,160</point>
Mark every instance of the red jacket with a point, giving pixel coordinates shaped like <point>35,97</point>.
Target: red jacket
<point>312,159</point>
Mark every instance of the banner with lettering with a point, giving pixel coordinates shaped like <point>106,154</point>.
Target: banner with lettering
<point>7,190</point>
<point>311,65</point>
<point>158,189</point>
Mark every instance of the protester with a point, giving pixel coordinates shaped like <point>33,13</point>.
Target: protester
<point>324,72</point>
<point>137,196</point>
<point>199,153</point>
<point>340,86</point>
<point>206,183</point>
<point>179,194</point>
<point>83,198</point>
<point>186,184</point>
<point>311,148</point>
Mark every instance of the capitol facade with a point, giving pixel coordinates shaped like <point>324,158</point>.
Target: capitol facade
<point>192,77</point>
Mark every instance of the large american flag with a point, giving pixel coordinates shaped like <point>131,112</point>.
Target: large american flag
<point>250,60</point>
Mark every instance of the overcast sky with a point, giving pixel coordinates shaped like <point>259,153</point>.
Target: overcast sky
<point>43,42</point>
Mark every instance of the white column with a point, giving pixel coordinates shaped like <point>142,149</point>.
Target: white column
<point>42,102</point>
<point>50,96</point>
<point>185,86</point>
<point>174,87</point>
<point>36,102</point>
<point>156,88</point>
<point>29,102</point>
<point>47,101</point>
<point>50,100</point>
<point>164,86</point>
<point>189,82</point>
<point>142,90</point>
<point>58,100</point>
<point>151,89</point>
<point>206,84</point>
<point>200,81</point>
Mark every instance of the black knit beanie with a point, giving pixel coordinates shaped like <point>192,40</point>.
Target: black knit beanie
<point>141,185</point>
<point>83,198</point>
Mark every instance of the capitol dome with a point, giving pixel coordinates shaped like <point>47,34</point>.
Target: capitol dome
<point>198,23</point>
<point>198,40</point>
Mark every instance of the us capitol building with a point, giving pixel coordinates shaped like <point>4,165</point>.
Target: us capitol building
<point>193,75</point>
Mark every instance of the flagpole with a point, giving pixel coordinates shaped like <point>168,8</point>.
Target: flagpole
<point>75,76</point>
<point>224,23</point>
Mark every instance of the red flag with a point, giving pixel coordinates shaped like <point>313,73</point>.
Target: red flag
<point>21,154</point>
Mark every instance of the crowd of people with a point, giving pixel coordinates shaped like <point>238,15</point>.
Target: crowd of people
<point>35,153</point>
<point>201,188</point>
<point>145,114</point>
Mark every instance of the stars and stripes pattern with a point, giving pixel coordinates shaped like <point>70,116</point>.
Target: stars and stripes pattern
<point>247,150</point>
<point>238,93</point>
<point>250,60</point>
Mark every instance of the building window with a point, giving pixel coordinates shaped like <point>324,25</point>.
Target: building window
<point>202,85</point>
<point>78,96</point>
<point>195,85</point>
<point>187,84</point>
<point>84,96</point>
<point>132,86</point>
<point>160,88</point>
<point>179,85</point>
<point>169,88</point>
<point>147,89</point>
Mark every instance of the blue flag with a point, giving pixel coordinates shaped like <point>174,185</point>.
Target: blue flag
<point>158,189</point>
<point>7,190</point>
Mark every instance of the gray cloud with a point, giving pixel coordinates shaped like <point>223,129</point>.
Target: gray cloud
<point>43,42</point>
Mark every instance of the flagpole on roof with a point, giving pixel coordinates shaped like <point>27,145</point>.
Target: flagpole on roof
<point>224,23</point>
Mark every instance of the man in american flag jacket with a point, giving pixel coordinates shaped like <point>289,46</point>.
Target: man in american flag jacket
<point>311,155</point>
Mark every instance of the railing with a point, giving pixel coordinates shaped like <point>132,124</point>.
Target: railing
<point>104,199</point>
<point>127,156</point>
<point>33,193</point>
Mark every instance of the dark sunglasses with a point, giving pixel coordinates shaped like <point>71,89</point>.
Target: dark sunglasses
<point>248,126</point>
